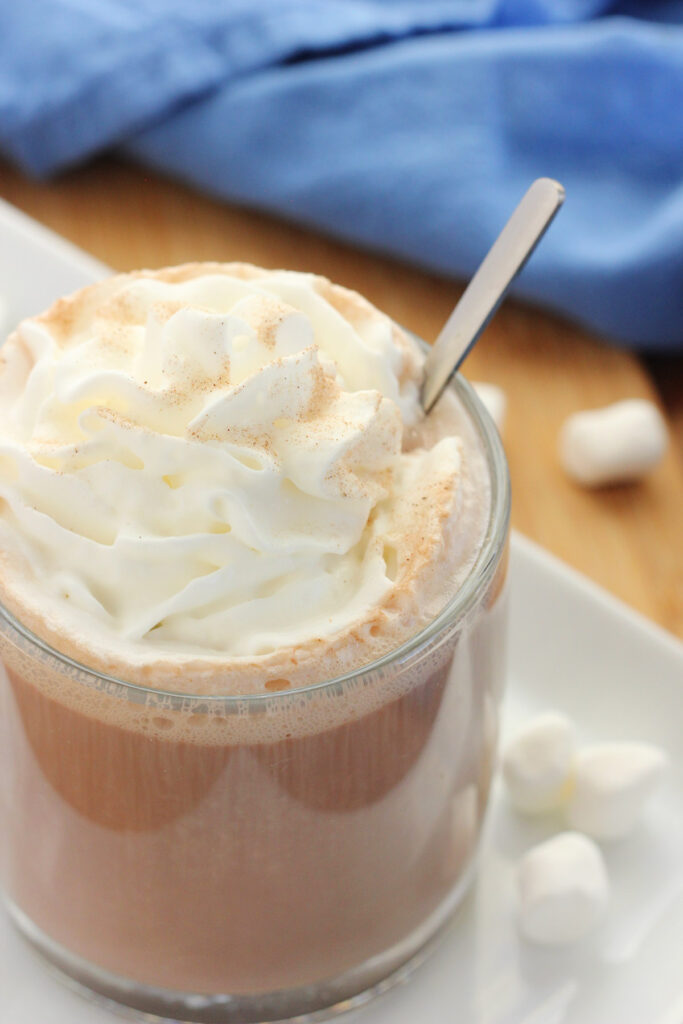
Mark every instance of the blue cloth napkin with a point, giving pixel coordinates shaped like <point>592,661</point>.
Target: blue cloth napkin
<point>412,126</point>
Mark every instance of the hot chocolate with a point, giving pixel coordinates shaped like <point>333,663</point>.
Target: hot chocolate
<point>218,494</point>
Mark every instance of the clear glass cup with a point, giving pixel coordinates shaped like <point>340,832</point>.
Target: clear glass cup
<point>221,859</point>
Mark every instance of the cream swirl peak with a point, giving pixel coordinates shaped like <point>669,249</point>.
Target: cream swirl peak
<point>208,463</point>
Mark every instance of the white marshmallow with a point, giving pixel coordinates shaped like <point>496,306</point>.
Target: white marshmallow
<point>618,443</point>
<point>563,889</point>
<point>495,401</point>
<point>538,763</point>
<point>613,783</point>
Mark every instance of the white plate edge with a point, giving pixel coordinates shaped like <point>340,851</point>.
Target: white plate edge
<point>597,594</point>
<point>48,240</point>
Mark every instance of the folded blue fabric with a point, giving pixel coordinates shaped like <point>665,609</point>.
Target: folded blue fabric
<point>412,126</point>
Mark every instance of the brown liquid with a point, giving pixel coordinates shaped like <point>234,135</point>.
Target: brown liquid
<point>181,850</point>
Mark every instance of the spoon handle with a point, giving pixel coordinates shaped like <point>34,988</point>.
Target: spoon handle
<point>483,294</point>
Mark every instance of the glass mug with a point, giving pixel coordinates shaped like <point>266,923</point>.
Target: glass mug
<point>220,859</point>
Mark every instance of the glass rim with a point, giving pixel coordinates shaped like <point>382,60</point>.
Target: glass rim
<point>465,597</point>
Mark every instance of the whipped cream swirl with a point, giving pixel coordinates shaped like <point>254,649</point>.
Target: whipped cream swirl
<point>211,461</point>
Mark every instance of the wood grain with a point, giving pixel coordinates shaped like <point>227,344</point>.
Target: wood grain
<point>628,539</point>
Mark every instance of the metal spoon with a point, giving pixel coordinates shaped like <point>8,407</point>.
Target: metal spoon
<point>484,293</point>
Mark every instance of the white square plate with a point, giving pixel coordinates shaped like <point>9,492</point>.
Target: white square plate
<point>573,647</point>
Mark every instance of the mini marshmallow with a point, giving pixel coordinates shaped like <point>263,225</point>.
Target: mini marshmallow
<point>563,889</point>
<point>495,401</point>
<point>618,443</point>
<point>614,781</point>
<point>538,763</point>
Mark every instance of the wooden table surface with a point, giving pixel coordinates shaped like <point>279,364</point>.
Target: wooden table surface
<point>629,538</point>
